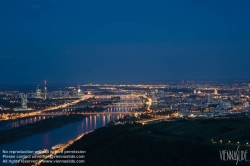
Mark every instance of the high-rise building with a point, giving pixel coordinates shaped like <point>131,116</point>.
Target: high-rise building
<point>38,93</point>
<point>79,92</point>
<point>24,101</point>
<point>45,90</point>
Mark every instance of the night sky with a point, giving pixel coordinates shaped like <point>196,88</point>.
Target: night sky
<point>123,41</point>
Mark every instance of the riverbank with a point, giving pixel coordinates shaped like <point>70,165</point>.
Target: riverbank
<point>3,122</point>
<point>15,134</point>
<point>165,143</point>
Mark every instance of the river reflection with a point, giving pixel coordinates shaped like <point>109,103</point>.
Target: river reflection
<point>60,135</point>
<point>126,104</point>
<point>67,132</point>
<point>25,121</point>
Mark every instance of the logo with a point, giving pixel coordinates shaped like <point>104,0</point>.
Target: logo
<point>230,155</point>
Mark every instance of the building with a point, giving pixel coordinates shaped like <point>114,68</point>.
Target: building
<point>24,102</point>
<point>38,93</point>
<point>79,93</point>
<point>65,94</point>
<point>45,90</point>
<point>56,94</point>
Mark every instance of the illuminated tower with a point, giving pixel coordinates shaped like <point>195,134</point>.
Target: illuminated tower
<point>215,91</point>
<point>45,90</point>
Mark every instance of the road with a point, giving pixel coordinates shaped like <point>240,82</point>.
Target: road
<point>39,112</point>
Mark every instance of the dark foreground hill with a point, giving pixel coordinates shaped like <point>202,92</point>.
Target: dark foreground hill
<point>167,143</point>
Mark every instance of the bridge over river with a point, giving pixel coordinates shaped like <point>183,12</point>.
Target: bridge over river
<point>91,113</point>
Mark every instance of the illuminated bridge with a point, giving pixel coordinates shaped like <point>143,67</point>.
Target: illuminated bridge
<point>110,106</point>
<point>91,113</point>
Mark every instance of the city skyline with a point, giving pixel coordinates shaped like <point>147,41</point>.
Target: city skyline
<point>124,82</point>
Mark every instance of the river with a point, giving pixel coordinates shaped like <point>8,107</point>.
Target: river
<point>123,106</point>
<point>67,132</point>
<point>59,135</point>
<point>24,121</point>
